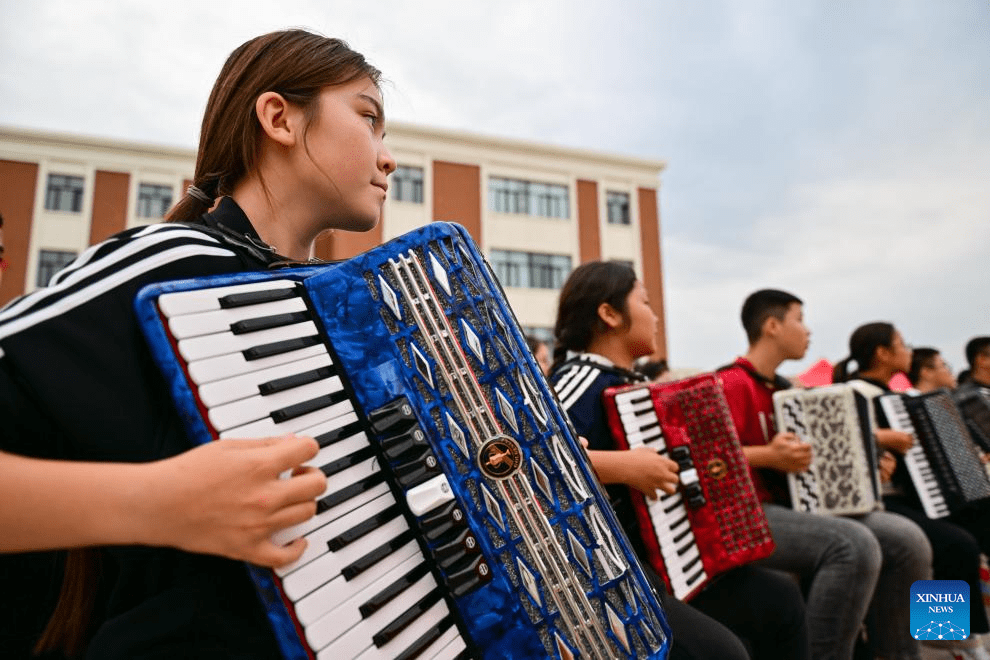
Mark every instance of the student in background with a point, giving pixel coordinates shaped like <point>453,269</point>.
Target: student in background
<point>844,564</point>
<point>604,323</point>
<point>978,358</point>
<point>541,352</point>
<point>928,371</point>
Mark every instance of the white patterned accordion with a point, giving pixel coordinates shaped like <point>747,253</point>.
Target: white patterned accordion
<point>944,465</point>
<point>461,518</point>
<point>714,521</point>
<point>836,420</point>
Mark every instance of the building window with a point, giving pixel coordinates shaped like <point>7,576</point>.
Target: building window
<point>617,208</point>
<point>548,200</point>
<point>530,270</point>
<point>153,201</point>
<point>49,263</point>
<point>406,184</point>
<point>64,193</point>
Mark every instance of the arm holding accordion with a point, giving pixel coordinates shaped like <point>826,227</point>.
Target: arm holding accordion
<point>225,498</point>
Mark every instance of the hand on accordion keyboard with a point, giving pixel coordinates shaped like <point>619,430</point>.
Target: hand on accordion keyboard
<point>641,468</point>
<point>898,441</point>
<point>226,498</point>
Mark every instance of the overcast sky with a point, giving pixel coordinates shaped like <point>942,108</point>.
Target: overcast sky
<point>840,150</point>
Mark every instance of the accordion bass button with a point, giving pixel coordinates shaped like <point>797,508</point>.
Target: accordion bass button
<point>468,576</point>
<point>417,468</point>
<point>397,414</point>
<point>429,495</point>
<point>396,445</point>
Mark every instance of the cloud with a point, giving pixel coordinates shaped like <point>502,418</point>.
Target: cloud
<point>840,150</point>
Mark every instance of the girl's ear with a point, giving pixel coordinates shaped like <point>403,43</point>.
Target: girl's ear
<point>610,316</point>
<point>279,120</point>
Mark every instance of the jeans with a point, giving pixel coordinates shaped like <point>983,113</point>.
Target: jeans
<point>838,561</point>
<point>764,608</point>
<point>907,557</point>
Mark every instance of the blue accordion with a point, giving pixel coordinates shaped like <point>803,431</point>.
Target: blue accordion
<point>461,517</point>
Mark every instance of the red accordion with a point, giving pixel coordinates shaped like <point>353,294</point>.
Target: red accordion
<point>714,522</point>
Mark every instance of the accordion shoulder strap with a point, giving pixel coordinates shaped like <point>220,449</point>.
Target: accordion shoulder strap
<point>778,382</point>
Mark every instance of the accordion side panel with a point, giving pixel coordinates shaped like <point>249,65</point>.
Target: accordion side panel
<point>975,408</point>
<point>839,480</point>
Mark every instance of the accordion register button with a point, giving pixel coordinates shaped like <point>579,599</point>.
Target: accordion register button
<point>416,468</point>
<point>441,520</point>
<point>464,578</point>
<point>429,495</point>
<point>392,415</point>
<point>688,476</point>
<point>396,445</point>
<point>453,551</point>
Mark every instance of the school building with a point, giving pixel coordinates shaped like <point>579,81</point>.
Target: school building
<point>536,210</point>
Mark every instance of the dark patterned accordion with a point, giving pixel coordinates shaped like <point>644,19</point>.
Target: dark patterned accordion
<point>461,518</point>
<point>944,464</point>
<point>714,522</point>
<point>837,421</point>
<point>974,404</point>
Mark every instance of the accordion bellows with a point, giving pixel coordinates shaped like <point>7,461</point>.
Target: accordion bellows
<point>461,519</point>
<point>714,522</point>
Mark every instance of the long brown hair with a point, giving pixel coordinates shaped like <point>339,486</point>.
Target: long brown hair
<point>294,63</point>
<point>586,288</point>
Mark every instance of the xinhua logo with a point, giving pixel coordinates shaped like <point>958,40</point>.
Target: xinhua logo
<point>940,609</point>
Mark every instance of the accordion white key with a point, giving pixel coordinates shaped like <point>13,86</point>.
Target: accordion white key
<point>843,478</point>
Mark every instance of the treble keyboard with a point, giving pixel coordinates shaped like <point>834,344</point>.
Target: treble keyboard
<point>460,518</point>
<point>260,369</point>
<point>713,521</point>
<point>668,514</point>
<point>920,470</point>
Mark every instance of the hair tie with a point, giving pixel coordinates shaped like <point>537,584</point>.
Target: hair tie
<point>199,195</point>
